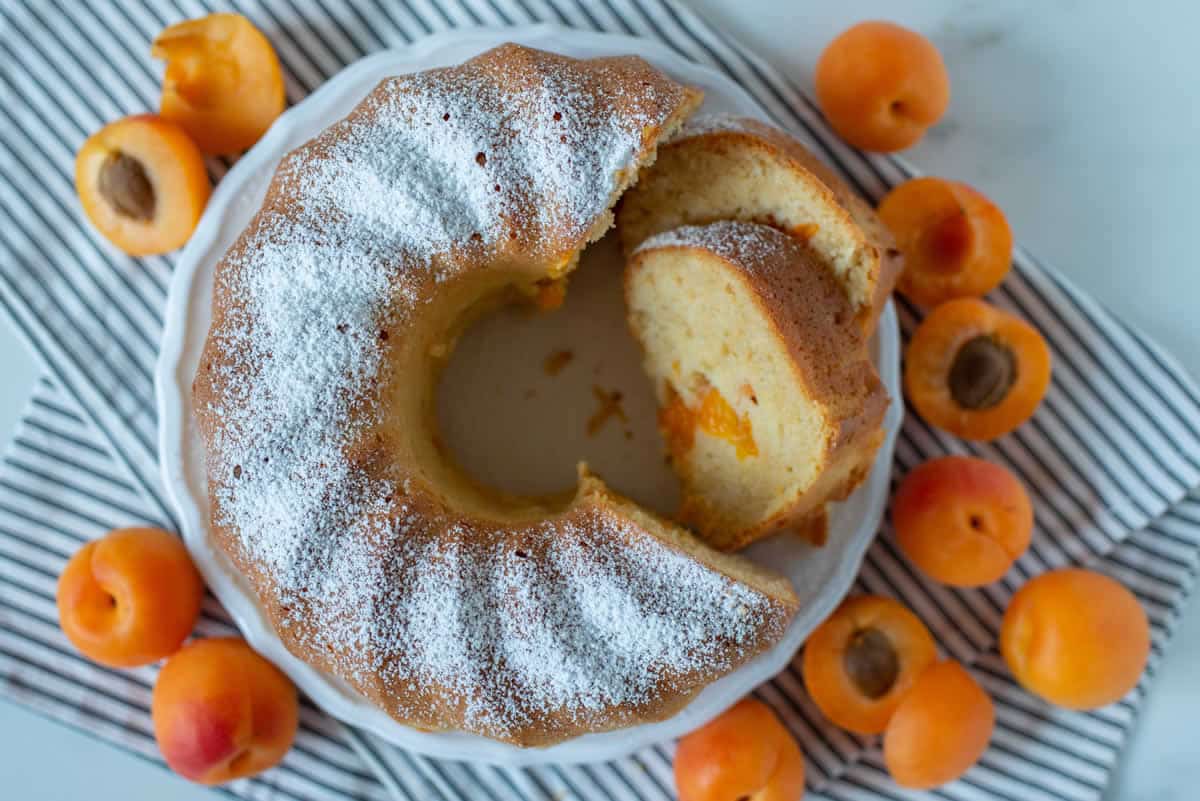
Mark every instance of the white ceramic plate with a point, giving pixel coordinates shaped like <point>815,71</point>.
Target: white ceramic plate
<point>821,576</point>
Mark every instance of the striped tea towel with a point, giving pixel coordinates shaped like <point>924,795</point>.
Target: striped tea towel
<point>1110,459</point>
<point>60,487</point>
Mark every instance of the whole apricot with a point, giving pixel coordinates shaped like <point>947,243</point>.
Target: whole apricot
<point>223,83</point>
<point>744,753</point>
<point>129,598</point>
<point>1075,637</point>
<point>881,85</point>
<point>963,521</point>
<point>222,712</point>
<point>975,370</point>
<point>940,729</point>
<point>956,243</point>
<point>862,660</point>
<point>142,183</point>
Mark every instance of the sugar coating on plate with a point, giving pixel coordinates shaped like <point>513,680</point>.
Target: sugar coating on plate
<point>523,629</point>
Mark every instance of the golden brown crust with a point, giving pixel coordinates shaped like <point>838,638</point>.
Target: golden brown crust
<point>595,507</point>
<point>876,238</point>
<point>809,313</point>
<point>345,623</point>
<point>861,230</point>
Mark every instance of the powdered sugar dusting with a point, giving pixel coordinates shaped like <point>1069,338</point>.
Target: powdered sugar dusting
<point>439,162</point>
<point>748,244</point>
<point>585,614</point>
<point>445,620</point>
<point>704,124</point>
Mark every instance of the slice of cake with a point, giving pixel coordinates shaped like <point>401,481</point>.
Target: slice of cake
<point>733,168</point>
<point>768,403</point>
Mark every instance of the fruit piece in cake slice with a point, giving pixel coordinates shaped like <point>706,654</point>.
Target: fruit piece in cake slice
<point>721,167</point>
<point>768,402</point>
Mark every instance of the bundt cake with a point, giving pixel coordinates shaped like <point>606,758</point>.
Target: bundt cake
<point>375,558</point>
<point>769,404</point>
<point>721,167</point>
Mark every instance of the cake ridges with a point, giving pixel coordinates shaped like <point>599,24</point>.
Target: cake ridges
<point>363,571</point>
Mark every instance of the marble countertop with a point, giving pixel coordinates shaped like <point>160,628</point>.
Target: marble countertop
<point>1078,118</point>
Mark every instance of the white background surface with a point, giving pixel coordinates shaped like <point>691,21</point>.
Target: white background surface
<point>1078,118</point>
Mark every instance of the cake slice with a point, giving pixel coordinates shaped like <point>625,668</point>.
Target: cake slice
<point>721,167</point>
<point>768,402</point>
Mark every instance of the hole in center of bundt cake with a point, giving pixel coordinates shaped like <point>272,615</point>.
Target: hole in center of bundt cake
<point>532,389</point>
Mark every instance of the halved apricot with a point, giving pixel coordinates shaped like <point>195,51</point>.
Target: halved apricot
<point>881,85</point>
<point>142,183</point>
<point>940,729</point>
<point>956,242</point>
<point>223,83</point>
<point>860,662</point>
<point>961,520</point>
<point>974,370</point>
<point>1075,637</point>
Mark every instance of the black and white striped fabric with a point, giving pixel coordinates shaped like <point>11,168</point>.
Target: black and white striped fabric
<point>59,487</point>
<point>1112,458</point>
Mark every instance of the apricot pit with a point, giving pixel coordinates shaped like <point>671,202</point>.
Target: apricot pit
<point>871,663</point>
<point>859,663</point>
<point>124,184</point>
<point>982,373</point>
<point>974,370</point>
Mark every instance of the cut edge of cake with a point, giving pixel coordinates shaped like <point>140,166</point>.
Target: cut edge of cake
<point>723,167</point>
<point>769,404</point>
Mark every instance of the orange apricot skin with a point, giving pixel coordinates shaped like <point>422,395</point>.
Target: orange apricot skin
<point>744,753</point>
<point>825,678</point>
<point>930,356</point>
<point>881,85</point>
<point>223,83</point>
<point>222,712</point>
<point>963,521</point>
<point>129,598</point>
<point>940,729</point>
<point>176,171</point>
<point>1076,638</point>
<point>956,243</point>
